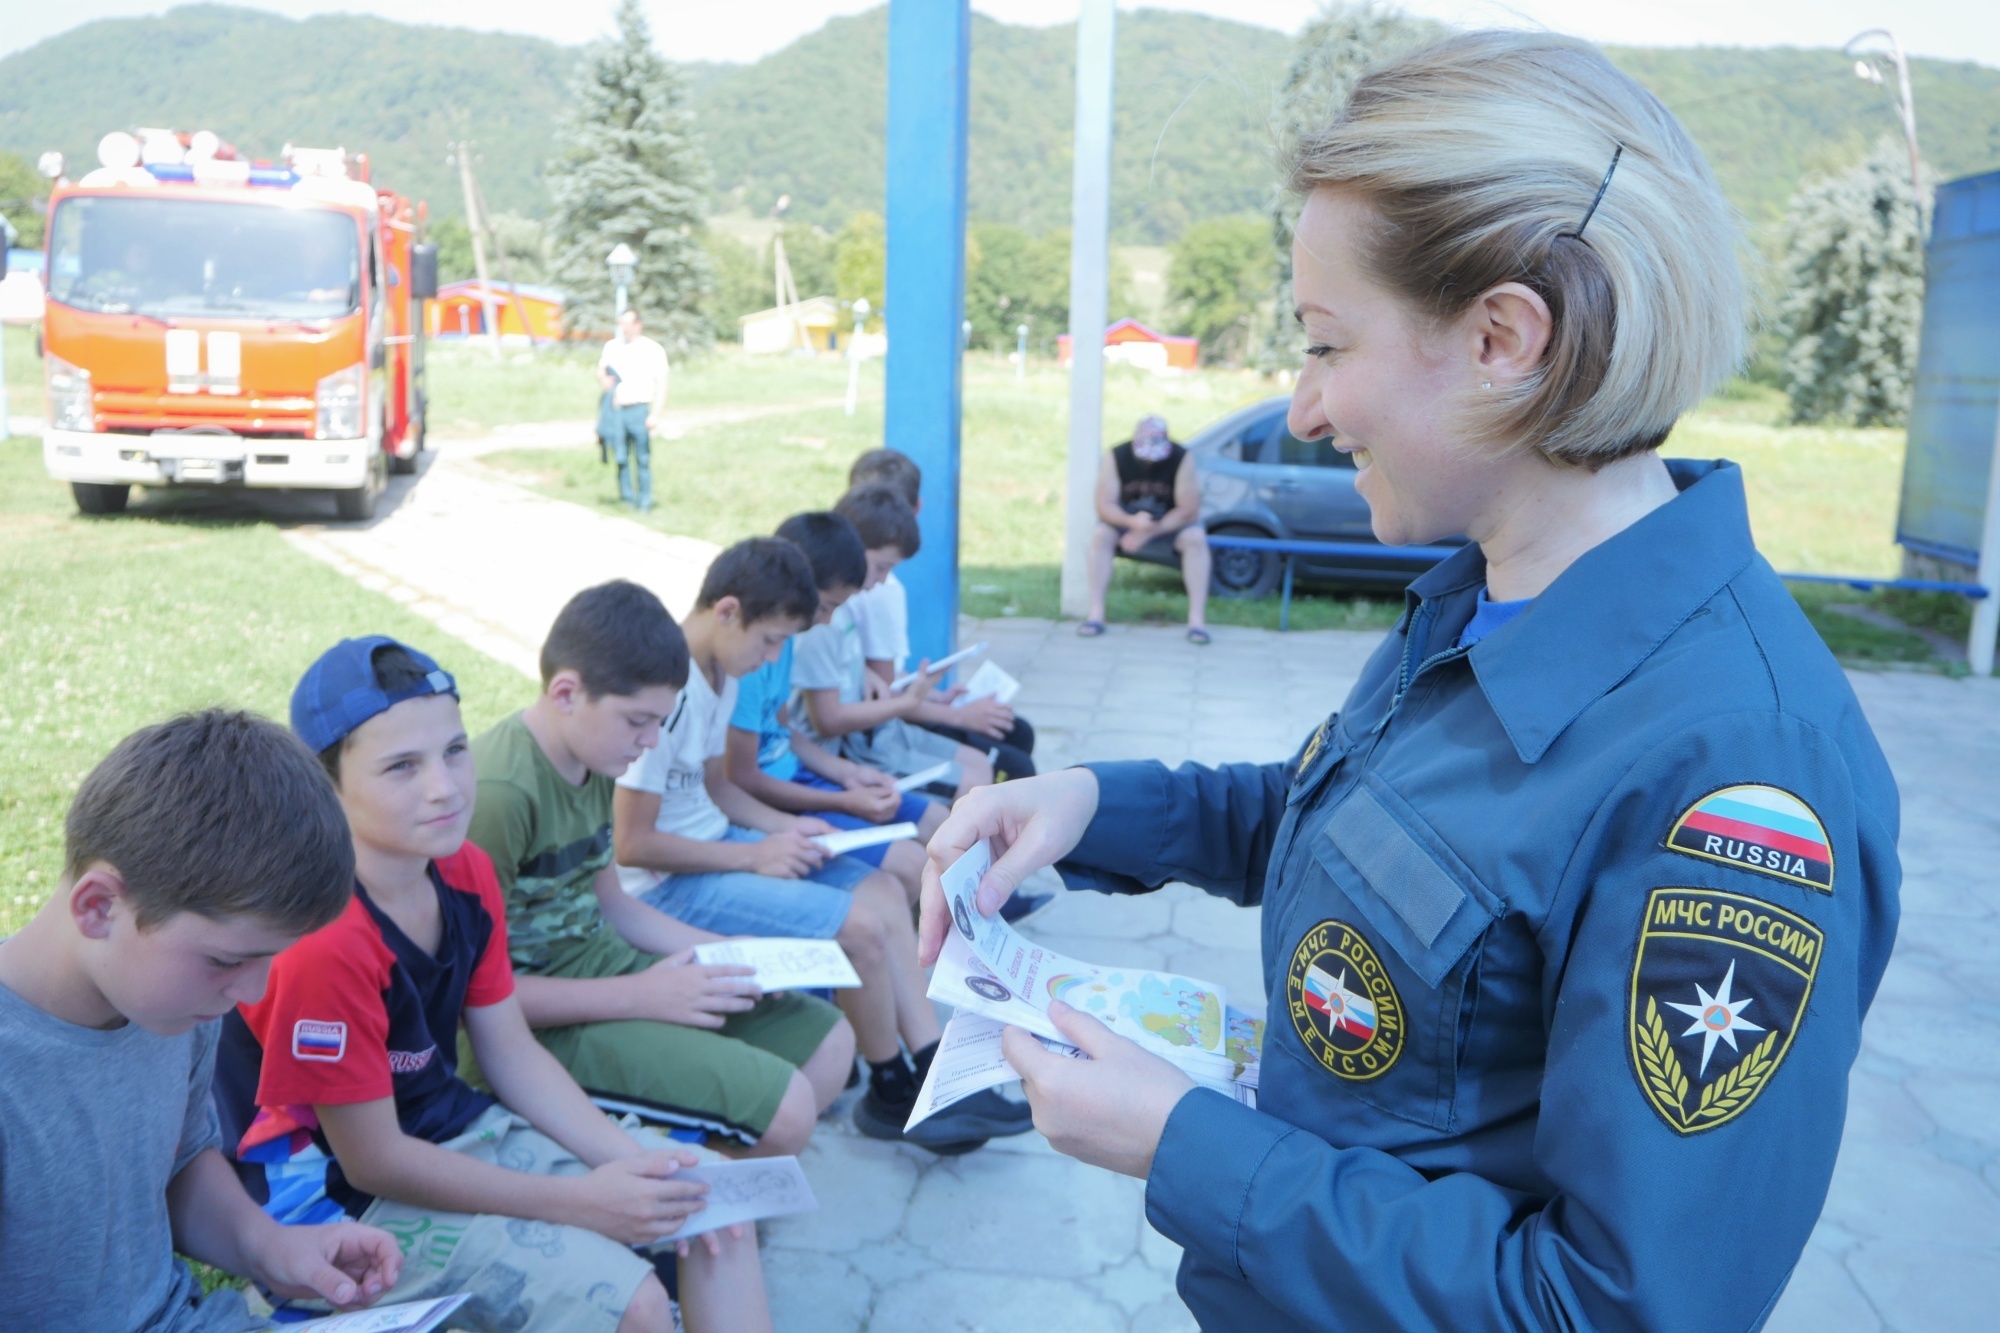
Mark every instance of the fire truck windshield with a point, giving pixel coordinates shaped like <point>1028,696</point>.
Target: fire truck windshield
<point>200,257</point>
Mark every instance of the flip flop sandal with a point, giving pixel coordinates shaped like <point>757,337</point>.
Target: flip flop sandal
<point>1090,629</point>
<point>1198,637</point>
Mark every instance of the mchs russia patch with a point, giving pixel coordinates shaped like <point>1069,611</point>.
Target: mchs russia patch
<point>1758,828</point>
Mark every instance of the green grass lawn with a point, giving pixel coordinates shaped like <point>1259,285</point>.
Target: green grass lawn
<point>106,625</point>
<point>1821,500</point>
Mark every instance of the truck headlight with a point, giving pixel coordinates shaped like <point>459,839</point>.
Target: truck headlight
<point>69,395</point>
<point>339,400</point>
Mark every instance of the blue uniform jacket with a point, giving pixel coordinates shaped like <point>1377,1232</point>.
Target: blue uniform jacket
<point>1567,941</point>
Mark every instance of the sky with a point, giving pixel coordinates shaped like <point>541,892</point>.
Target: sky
<point>704,30</point>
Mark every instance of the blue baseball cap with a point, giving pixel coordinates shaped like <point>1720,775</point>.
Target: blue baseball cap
<point>339,692</point>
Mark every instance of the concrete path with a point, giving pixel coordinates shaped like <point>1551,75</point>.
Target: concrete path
<point>1016,1239</point>
<point>492,562</point>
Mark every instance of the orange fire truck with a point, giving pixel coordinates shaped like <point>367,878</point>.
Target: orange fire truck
<point>213,321</point>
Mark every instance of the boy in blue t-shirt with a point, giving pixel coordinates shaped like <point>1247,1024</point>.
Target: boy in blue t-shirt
<point>782,768</point>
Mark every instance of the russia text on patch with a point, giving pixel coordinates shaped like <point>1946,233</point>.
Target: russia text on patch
<point>314,1040</point>
<point>1758,828</point>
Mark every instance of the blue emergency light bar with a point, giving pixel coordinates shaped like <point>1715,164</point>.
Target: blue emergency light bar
<point>281,178</point>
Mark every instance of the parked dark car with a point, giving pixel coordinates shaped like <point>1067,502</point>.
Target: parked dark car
<point>1260,480</point>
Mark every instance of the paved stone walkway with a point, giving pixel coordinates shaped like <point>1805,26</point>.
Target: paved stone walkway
<point>1016,1239</point>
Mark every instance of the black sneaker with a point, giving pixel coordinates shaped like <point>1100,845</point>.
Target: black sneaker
<point>877,1118</point>
<point>985,1113</point>
<point>1020,906</point>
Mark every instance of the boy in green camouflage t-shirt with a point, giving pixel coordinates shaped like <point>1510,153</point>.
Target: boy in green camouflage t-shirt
<point>610,984</point>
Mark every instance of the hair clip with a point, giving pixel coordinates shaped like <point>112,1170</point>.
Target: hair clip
<point>1603,185</point>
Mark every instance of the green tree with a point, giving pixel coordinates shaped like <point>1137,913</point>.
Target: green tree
<point>1222,271</point>
<point>454,242</point>
<point>629,170</point>
<point>1853,298</point>
<point>1012,278</point>
<point>860,262</point>
<point>1328,56</point>
<point>742,282</point>
<point>24,196</point>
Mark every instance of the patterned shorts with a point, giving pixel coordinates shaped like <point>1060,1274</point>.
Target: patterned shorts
<point>524,1277</point>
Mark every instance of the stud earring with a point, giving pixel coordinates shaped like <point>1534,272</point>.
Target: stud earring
<point>1486,384</point>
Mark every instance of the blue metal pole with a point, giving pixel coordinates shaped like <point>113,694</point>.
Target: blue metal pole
<point>929,55</point>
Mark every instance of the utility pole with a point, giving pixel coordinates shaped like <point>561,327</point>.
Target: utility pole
<point>1089,294</point>
<point>506,266</point>
<point>463,151</point>
<point>787,294</point>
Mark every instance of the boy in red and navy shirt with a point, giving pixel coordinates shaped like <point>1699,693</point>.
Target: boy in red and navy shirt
<point>340,1087</point>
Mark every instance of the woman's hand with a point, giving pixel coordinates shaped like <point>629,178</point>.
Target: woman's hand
<point>1030,823</point>
<point>1109,1110</point>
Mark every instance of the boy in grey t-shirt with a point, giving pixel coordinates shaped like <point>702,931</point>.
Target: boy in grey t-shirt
<point>195,851</point>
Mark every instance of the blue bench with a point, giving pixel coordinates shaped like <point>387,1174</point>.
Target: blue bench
<point>1291,549</point>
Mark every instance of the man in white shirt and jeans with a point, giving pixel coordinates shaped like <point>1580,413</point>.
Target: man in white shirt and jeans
<point>633,369</point>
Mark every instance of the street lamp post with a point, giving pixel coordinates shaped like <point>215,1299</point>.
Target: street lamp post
<point>861,309</point>
<point>621,261</point>
<point>1021,352</point>
<point>1864,69</point>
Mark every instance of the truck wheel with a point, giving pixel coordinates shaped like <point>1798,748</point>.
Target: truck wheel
<point>1244,575</point>
<point>358,505</point>
<point>100,498</point>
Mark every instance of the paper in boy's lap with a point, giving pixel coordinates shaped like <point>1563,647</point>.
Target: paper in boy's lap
<point>747,1191</point>
<point>405,1317</point>
<point>784,964</point>
<point>853,840</point>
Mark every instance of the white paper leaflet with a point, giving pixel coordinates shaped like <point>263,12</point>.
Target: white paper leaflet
<point>990,680</point>
<point>784,964</point>
<point>935,773</point>
<point>747,1191</point>
<point>406,1317</point>
<point>853,840</point>
<point>969,1060</point>
<point>903,681</point>
<point>988,969</point>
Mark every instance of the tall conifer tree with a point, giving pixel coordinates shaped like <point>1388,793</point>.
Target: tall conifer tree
<point>1853,299</point>
<point>629,169</point>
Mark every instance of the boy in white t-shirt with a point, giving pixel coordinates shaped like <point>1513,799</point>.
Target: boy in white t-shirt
<point>882,616</point>
<point>698,847</point>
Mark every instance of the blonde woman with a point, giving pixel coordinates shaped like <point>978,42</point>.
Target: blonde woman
<point>1572,913</point>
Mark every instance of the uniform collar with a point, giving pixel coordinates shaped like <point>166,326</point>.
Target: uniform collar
<point>1610,610</point>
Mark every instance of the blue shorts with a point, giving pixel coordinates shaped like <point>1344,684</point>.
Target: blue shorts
<point>913,809</point>
<point>742,902</point>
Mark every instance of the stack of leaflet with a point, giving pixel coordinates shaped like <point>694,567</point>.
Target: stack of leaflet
<point>993,976</point>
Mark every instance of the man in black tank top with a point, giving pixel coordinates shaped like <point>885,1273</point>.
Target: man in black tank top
<point>1147,492</point>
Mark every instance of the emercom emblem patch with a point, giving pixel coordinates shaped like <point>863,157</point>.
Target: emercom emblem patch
<point>1719,988</point>
<point>1758,828</point>
<point>1343,1004</point>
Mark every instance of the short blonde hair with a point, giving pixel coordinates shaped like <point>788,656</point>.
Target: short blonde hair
<point>1482,154</point>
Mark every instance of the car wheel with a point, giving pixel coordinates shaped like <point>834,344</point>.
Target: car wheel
<point>97,498</point>
<point>1240,574</point>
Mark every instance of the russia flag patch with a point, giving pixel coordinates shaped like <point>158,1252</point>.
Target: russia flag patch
<point>313,1040</point>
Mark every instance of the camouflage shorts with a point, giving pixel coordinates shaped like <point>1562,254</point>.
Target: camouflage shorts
<point>524,1277</point>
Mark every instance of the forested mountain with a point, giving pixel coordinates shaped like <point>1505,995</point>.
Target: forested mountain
<point>1192,96</point>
